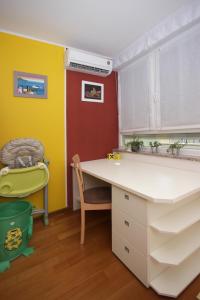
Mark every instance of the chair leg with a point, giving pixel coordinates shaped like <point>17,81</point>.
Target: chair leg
<point>82,226</point>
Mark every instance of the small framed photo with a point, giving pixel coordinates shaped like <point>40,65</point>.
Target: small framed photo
<point>30,85</point>
<point>92,92</point>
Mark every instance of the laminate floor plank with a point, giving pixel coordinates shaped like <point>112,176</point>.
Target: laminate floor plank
<point>61,268</point>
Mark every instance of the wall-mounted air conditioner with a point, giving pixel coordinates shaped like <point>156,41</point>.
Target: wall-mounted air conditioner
<point>81,61</point>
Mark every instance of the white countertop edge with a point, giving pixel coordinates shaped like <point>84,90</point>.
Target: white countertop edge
<point>154,200</point>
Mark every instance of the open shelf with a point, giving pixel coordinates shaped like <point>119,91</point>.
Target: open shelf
<point>174,280</point>
<point>179,248</point>
<point>180,219</point>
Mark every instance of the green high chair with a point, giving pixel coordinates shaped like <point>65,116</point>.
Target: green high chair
<point>26,173</point>
<point>21,182</point>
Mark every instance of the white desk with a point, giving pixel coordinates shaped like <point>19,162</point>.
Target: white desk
<point>152,182</point>
<point>155,217</point>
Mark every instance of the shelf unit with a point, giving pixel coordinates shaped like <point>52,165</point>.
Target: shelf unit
<point>174,280</point>
<point>179,248</point>
<point>178,251</point>
<point>179,220</point>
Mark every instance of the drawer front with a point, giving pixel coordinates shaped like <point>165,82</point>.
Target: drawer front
<point>132,231</point>
<point>135,206</point>
<point>135,262</point>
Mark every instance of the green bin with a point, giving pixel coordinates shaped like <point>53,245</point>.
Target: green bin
<point>16,224</point>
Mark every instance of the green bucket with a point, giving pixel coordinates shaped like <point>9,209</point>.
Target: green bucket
<point>16,225</point>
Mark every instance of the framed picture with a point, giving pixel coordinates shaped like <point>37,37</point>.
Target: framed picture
<point>30,85</point>
<point>92,92</point>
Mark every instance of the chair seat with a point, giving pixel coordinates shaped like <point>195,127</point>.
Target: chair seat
<point>98,195</point>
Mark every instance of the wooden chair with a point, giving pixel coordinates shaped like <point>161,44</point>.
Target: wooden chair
<point>98,198</point>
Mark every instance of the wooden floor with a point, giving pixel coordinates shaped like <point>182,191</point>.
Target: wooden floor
<point>62,269</point>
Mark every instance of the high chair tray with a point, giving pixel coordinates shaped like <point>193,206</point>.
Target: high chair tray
<point>24,181</point>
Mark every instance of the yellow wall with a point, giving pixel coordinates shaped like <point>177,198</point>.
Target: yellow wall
<point>38,118</point>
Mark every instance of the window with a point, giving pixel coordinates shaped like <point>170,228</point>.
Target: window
<point>180,80</point>
<point>161,91</point>
<point>134,86</point>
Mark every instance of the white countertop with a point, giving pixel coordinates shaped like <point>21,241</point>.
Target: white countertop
<point>153,182</point>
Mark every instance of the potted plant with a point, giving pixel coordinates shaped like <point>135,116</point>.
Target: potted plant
<point>155,145</point>
<point>136,144</point>
<point>175,148</point>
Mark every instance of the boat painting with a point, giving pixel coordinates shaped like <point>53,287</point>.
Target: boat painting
<point>30,85</point>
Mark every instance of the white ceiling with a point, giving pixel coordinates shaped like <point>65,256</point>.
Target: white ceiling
<point>104,26</point>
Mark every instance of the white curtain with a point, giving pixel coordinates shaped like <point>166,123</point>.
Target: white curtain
<point>180,80</point>
<point>182,19</point>
<point>134,95</point>
<point>161,91</point>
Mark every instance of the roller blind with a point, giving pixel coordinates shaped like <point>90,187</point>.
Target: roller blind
<point>134,96</point>
<point>180,80</point>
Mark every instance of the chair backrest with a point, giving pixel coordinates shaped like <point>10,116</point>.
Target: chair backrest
<point>79,175</point>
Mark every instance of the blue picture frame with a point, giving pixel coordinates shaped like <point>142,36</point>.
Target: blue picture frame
<point>29,85</point>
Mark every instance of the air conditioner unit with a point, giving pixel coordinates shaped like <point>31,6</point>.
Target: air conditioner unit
<point>81,61</point>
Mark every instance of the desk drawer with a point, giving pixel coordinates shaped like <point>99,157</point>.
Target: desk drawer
<point>131,230</point>
<point>136,262</point>
<point>135,206</point>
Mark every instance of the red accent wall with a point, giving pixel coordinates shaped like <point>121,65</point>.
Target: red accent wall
<point>92,128</point>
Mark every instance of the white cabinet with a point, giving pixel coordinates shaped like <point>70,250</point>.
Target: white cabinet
<point>129,231</point>
<point>160,244</point>
<point>130,204</point>
<point>133,259</point>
